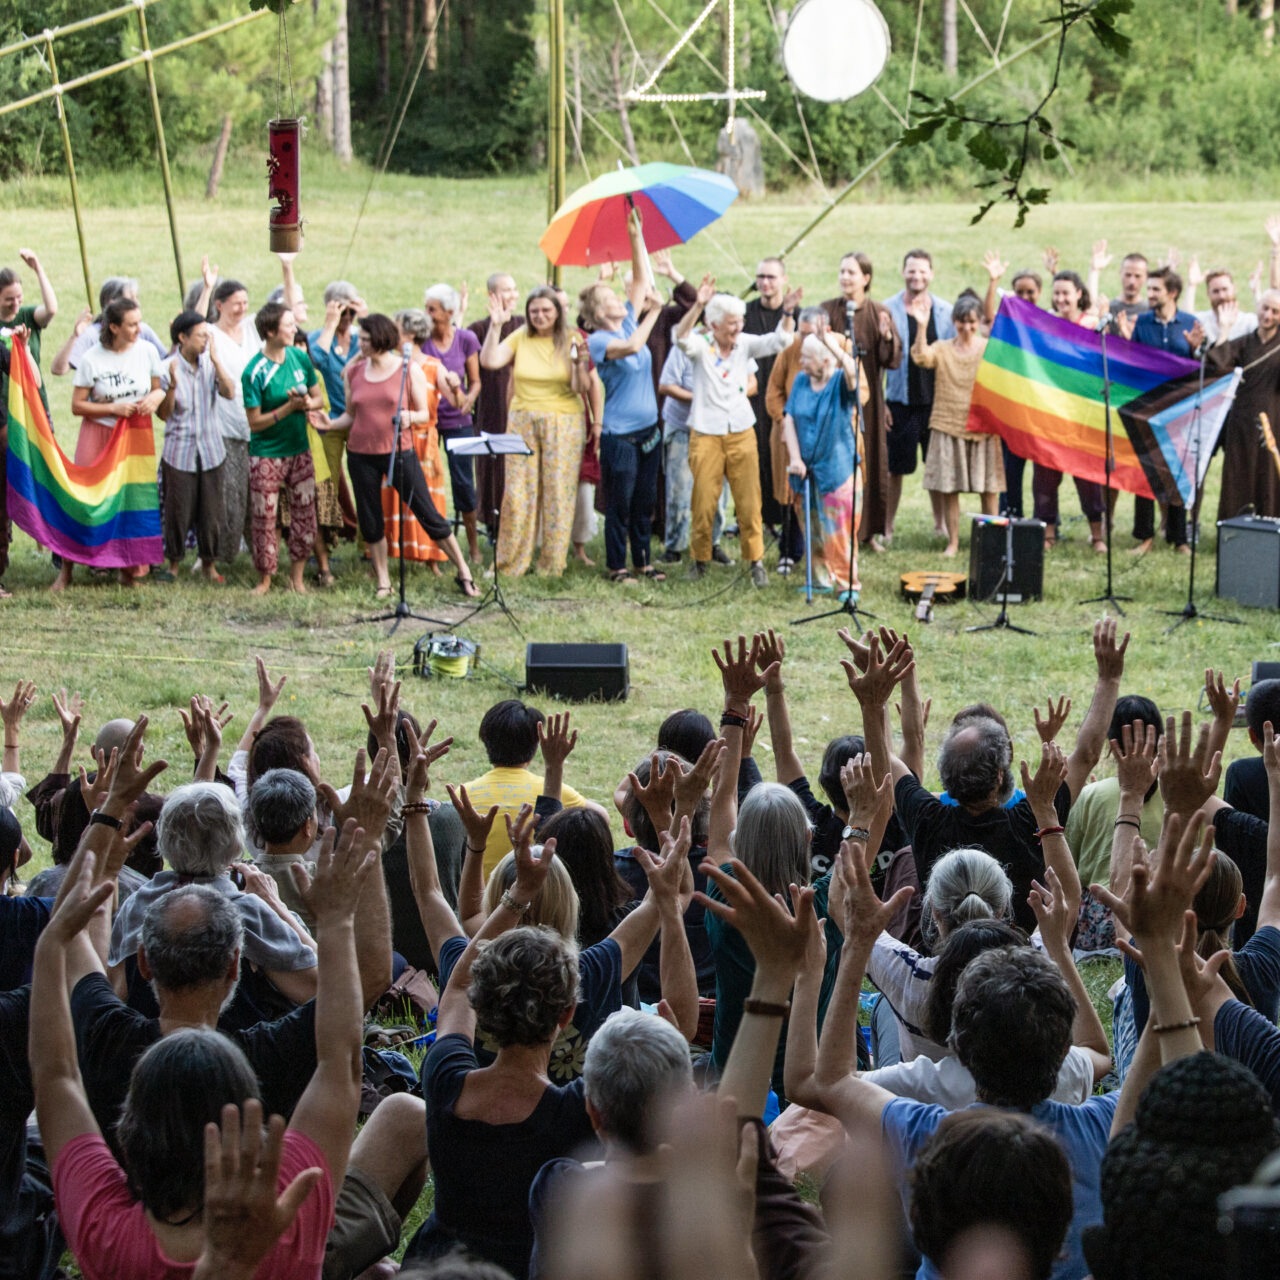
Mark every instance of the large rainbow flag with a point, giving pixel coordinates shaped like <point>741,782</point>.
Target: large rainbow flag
<point>1039,388</point>
<point>106,515</point>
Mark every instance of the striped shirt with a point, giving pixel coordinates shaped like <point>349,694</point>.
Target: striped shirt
<point>192,435</point>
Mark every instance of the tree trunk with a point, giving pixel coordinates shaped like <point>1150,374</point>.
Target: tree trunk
<point>382,25</point>
<point>624,116</point>
<point>341,89</point>
<point>410,15</point>
<point>324,94</point>
<point>219,159</point>
<point>950,39</point>
<point>1267,17</point>
<point>1232,8</point>
<point>467,24</point>
<point>430,14</point>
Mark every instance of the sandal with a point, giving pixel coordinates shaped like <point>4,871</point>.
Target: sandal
<point>622,577</point>
<point>467,587</point>
<point>382,593</point>
<point>652,573</point>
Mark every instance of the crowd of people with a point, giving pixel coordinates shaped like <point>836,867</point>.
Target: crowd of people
<point>627,1055</point>
<point>652,412</point>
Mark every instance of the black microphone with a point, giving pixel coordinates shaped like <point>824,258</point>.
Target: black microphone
<point>850,310</point>
<point>1104,322</point>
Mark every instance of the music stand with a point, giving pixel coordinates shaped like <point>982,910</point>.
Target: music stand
<point>395,467</point>
<point>489,445</point>
<point>1001,622</point>
<point>849,605</point>
<point>1109,596</point>
<point>1189,610</point>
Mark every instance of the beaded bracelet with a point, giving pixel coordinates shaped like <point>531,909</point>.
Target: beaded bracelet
<point>416,806</point>
<point>1176,1026</point>
<point>1050,831</point>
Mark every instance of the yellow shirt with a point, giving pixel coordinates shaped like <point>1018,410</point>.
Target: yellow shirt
<point>509,789</point>
<point>541,377</point>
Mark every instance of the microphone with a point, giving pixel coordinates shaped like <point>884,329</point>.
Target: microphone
<point>1104,323</point>
<point>850,310</point>
<point>407,351</point>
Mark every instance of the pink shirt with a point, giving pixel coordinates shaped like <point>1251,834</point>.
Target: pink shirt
<point>107,1229</point>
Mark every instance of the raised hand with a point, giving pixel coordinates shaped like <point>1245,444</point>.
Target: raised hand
<point>382,672</point>
<point>129,779</point>
<point>864,796</point>
<point>657,796</point>
<point>555,740</point>
<point>1195,275</point>
<point>1051,257</point>
<point>1188,776</point>
<point>738,674</point>
<point>208,272</point>
<point>1054,718</point>
<point>667,874</point>
<point>1049,776</point>
<point>1272,225</point>
<point>995,265</point>
<point>777,938</point>
<point>12,712</point>
<point>873,686</point>
<point>478,825</point>
<point>771,646</point>
<point>1223,700</point>
<point>421,758</point>
<point>267,692</point>
<point>858,649</point>
<point>498,313</point>
<point>1125,325</point>
<point>344,863</point>
<point>78,900</point>
<point>243,1216</point>
<point>706,289</point>
<point>70,709</point>
<point>1099,259</point>
<point>369,801</point>
<point>691,785</point>
<point>531,869</point>
<point>792,298</point>
<point>1172,257</point>
<point>1135,757</point>
<point>865,916</point>
<point>1109,653</point>
<point>382,721</point>
<point>94,791</point>
<point>1055,915</point>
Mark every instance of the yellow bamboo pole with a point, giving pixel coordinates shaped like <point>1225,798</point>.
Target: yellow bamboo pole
<point>72,27</point>
<point>555,120</point>
<point>60,106</point>
<point>137,60</point>
<point>149,63</point>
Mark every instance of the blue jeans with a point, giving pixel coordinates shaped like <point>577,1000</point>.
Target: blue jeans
<point>679,495</point>
<point>630,479</point>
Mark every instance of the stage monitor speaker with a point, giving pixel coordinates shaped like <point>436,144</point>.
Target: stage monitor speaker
<point>578,672</point>
<point>987,544</point>
<point>1249,561</point>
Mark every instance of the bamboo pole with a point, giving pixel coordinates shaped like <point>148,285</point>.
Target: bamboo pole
<point>137,60</point>
<point>71,170</point>
<point>873,165</point>
<point>149,63</point>
<point>558,115</point>
<point>72,27</point>
<point>555,55</point>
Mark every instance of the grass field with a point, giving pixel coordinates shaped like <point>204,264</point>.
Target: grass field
<point>151,648</point>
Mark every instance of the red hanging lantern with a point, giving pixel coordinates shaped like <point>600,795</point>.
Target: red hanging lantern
<point>284,172</point>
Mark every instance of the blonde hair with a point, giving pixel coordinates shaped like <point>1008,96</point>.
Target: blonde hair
<point>556,906</point>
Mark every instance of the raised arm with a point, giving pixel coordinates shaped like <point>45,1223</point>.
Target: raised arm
<point>70,709</point>
<point>438,920</point>
<point>267,695</point>
<point>1135,756</point>
<point>1056,912</point>
<point>1224,701</point>
<point>706,291</point>
<point>1099,261</point>
<point>48,307</point>
<point>327,1110</point>
<point>769,658</point>
<point>1269,903</point>
<point>471,882</point>
<point>496,353</point>
<point>1041,790</point>
<point>556,742</point>
<point>1108,654</point>
<point>995,267</point>
<point>209,278</point>
<point>12,713</point>
<point>872,686</point>
<point>61,362</point>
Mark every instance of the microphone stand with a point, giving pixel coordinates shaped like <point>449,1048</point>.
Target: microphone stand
<point>395,478</point>
<point>1189,610</point>
<point>1109,596</point>
<point>849,605</point>
<point>1001,622</point>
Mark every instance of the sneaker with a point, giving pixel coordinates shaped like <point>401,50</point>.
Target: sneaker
<point>759,575</point>
<point>671,557</point>
<point>785,565</point>
<point>697,570</point>
<point>720,555</point>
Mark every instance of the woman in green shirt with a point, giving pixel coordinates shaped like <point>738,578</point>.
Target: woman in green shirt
<point>280,387</point>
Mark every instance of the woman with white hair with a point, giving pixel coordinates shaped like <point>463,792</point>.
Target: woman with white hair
<point>819,434</point>
<point>459,351</point>
<point>722,440</point>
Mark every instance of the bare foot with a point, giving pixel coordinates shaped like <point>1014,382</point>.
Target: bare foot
<point>950,550</point>
<point>877,546</point>
<point>298,588</point>
<point>1183,550</point>
<point>262,588</point>
<point>580,554</point>
<point>5,595</point>
<point>1142,548</point>
<point>1100,546</point>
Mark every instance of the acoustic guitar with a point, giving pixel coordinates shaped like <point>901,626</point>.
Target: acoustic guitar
<point>926,586</point>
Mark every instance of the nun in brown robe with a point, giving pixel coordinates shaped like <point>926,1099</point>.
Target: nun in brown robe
<point>1249,474</point>
<point>878,354</point>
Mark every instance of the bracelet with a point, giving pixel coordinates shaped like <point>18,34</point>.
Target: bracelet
<point>856,833</point>
<point>11,746</point>
<point>766,1009</point>
<point>1050,831</point>
<point>1175,1026</point>
<point>1125,821</point>
<point>472,849</point>
<point>416,806</point>
<point>508,900</point>
<point>98,818</point>
<point>733,718</point>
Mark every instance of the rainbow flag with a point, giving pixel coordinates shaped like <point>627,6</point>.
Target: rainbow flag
<point>106,515</point>
<point>1039,388</point>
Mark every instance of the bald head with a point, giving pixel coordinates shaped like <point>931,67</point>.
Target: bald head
<point>112,736</point>
<point>191,937</point>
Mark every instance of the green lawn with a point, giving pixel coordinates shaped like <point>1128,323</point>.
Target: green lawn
<point>151,648</point>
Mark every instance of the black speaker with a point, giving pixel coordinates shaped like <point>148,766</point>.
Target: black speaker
<point>1249,561</point>
<point>578,672</point>
<point>988,543</point>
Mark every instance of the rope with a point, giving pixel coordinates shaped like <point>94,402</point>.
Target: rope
<point>393,132</point>
<point>915,56</point>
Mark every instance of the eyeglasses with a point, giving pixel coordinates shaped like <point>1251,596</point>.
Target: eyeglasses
<point>765,275</point>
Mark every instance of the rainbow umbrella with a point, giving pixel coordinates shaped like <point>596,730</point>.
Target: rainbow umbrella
<point>675,203</point>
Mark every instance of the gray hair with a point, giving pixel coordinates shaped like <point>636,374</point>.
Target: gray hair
<point>976,759</point>
<point>813,315</point>
<point>814,346</point>
<point>1270,294</point>
<point>445,294</point>
<point>724,305</point>
<point>634,1063</point>
<point>494,282</point>
<point>414,322</point>
<point>200,832</point>
<point>191,935</point>
<point>276,295</point>
<point>964,885</point>
<point>193,296</point>
<point>340,291</point>
<point>114,287</point>
<point>772,836</point>
<point>280,803</point>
